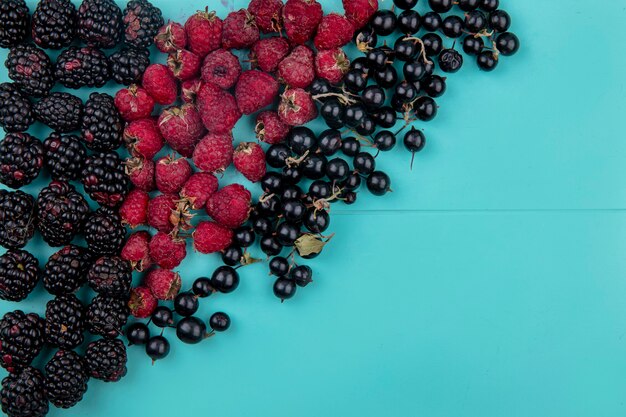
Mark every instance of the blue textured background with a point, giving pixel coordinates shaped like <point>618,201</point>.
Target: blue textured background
<point>491,282</point>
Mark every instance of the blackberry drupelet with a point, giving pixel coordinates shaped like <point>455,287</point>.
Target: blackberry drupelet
<point>100,23</point>
<point>16,111</point>
<point>21,339</point>
<point>19,273</point>
<point>62,212</point>
<point>104,178</point>
<point>82,67</point>
<point>106,360</point>
<point>104,232</point>
<point>102,125</point>
<point>66,270</point>
<point>54,24</point>
<point>111,276</point>
<point>65,379</point>
<point>128,65</point>
<point>17,219</point>
<point>65,321</point>
<point>60,111</point>
<point>31,69</point>
<point>142,21</point>
<point>64,156</point>
<point>14,20</point>
<point>106,316</point>
<point>21,159</point>
<point>23,394</point>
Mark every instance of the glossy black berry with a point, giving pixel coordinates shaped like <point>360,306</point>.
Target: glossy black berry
<point>367,126</point>
<point>14,22</point>
<point>473,45</point>
<point>441,6</point>
<point>450,61</point>
<point>276,155</point>
<point>373,96</point>
<point>162,317</point>
<point>355,80</point>
<point>352,182</point>
<point>316,221</point>
<point>284,288</point>
<point>475,21</point>
<point>383,22</point>
<point>314,167</point>
<point>320,86</point>
<point>157,347</point>
<point>453,26</point>
<point>302,275</point>
<point>293,210</point>
<point>269,205</point>
<point>384,117</point>
<point>360,63</point>
<point>433,44</point>
<point>499,20</point>
<point>272,182</point>
<point>405,4</point>
<point>337,169</point>
<point>332,111</point>
<point>225,279</point>
<point>364,163</point>
<point>434,85</point>
<point>320,189</point>
<point>431,21</point>
<point>489,5</point>
<point>414,140</point>
<point>291,192</point>
<point>377,58</point>
<point>270,245</point>
<point>365,38</point>
<point>137,334</point>
<point>244,236</point>
<point>350,146</point>
<point>405,50</point>
<point>329,141</point>
<point>468,5</point>
<point>414,70</point>
<point>354,114</point>
<point>191,330</point>
<point>425,109</point>
<point>507,43</point>
<point>301,139</point>
<point>287,233</point>
<point>378,183</point>
<point>406,91</point>
<point>202,287</point>
<point>384,140</point>
<point>262,225</point>
<point>220,322</point>
<point>186,303</point>
<point>292,175</point>
<point>486,61</point>
<point>385,77</point>
<point>409,22</point>
<point>279,266</point>
<point>349,197</point>
<point>232,255</point>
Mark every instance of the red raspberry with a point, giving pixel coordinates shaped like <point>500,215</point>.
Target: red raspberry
<point>267,53</point>
<point>189,90</point>
<point>249,159</point>
<point>213,153</point>
<point>221,68</point>
<point>198,188</point>
<point>333,32</point>
<point>332,64</point>
<point>359,12</point>
<point>142,303</point>
<point>255,90</point>
<point>134,209</point>
<point>240,30</point>
<point>296,107</point>
<point>171,174</point>
<point>164,284</point>
<point>218,109</point>
<point>161,210</point>
<point>270,128</point>
<point>267,14</point>
<point>136,251</point>
<point>181,128</point>
<point>204,33</point>
<point>143,138</point>
<point>171,38</point>
<point>297,70</point>
<point>160,84</point>
<point>141,173</point>
<point>167,251</point>
<point>230,206</point>
<point>184,65</point>
<point>210,237</point>
<point>134,103</point>
<point>301,18</point>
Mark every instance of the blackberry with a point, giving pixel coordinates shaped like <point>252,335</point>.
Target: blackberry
<point>23,394</point>
<point>21,339</point>
<point>82,67</point>
<point>107,315</point>
<point>19,273</point>
<point>128,65</point>
<point>31,69</point>
<point>104,232</point>
<point>65,321</point>
<point>100,23</point>
<point>66,270</point>
<point>62,212</point>
<point>60,111</point>
<point>111,276</point>
<point>66,379</point>
<point>104,178</point>
<point>106,359</point>
<point>102,126</point>
<point>64,156</point>
<point>21,159</point>
<point>54,23</point>
<point>17,218</point>
<point>14,20</point>
<point>16,111</point>
<point>142,21</point>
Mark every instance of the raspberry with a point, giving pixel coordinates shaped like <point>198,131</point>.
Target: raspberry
<point>218,109</point>
<point>160,84</point>
<point>270,128</point>
<point>181,128</point>
<point>136,251</point>
<point>141,173</point>
<point>297,70</point>
<point>332,64</point>
<point>189,90</point>
<point>210,237</point>
<point>171,174</point>
<point>296,107</point>
<point>143,138</point>
<point>214,153</point>
<point>141,303</point>
<point>255,90</point>
<point>171,38</point>
<point>134,103</point>
<point>221,68</point>
<point>164,284</point>
<point>204,32</point>
<point>167,251</point>
<point>240,30</point>
<point>230,206</point>
<point>160,210</point>
<point>184,65</point>
<point>359,12</point>
<point>267,14</point>
<point>301,19</point>
<point>134,209</point>
<point>267,53</point>
<point>198,188</point>
<point>249,159</point>
<point>334,31</point>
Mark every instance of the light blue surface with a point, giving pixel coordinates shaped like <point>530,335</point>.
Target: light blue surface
<point>490,283</point>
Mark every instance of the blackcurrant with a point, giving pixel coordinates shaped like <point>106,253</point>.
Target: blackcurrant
<point>499,20</point>
<point>350,146</point>
<point>414,140</point>
<point>320,189</point>
<point>473,45</point>
<point>276,155</point>
<point>431,21</point>
<point>314,166</point>
<point>269,205</point>
<point>383,22</point>
<point>202,287</point>
<point>191,330</point>
<point>468,5</point>
<point>291,192</point>
<point>450,60</point>
<point>405,4</point>
<point>292,175</point>
<point>452,26</point>
<point>329,141</point>
<point>332,110</point>
<point>302,275</point>
<point>262,225</point>
<point>367,126</point>
<point>284,288</point>
<point>162,317</point>
<point>354,114</point>
<point>405,50</point>
<point>137,334</point>
<point>409,22</point>
<point>475,21</point>
<point>377,57</point>
<point>272,182</point>
<point>225,279</point>
<point>244,236</point>
<point>373,96</point>
<point>320,86</point>
<point>270,245</point>
<point>385,77</point>
<point>425,108</point>
<point>352,182</point>
<point>486,61</point>
<point>489,5</point>
<point>287,233</point>
<point>360,63</point>
<point>385,117</point>
<point>232,255</point>
<point>433,44</point>
<point>301,139</point>
<point>349,197</point>
<point>186,303</point>
<point>355,80</point>
<point>157,347</point>
<point>384,140</point>
<point>316,221</point>
<point>406,91</point>
<point>378,183</point>
<point>414,70</point>
<point>279,266</point>
<point>434,85</point>
<point>364,163</point>
<point>337,169</point>
<point>365,39</point>
<point>220,322</point>
<point>441,6</point>
<point>507,43</point>
<point>293,210</point>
